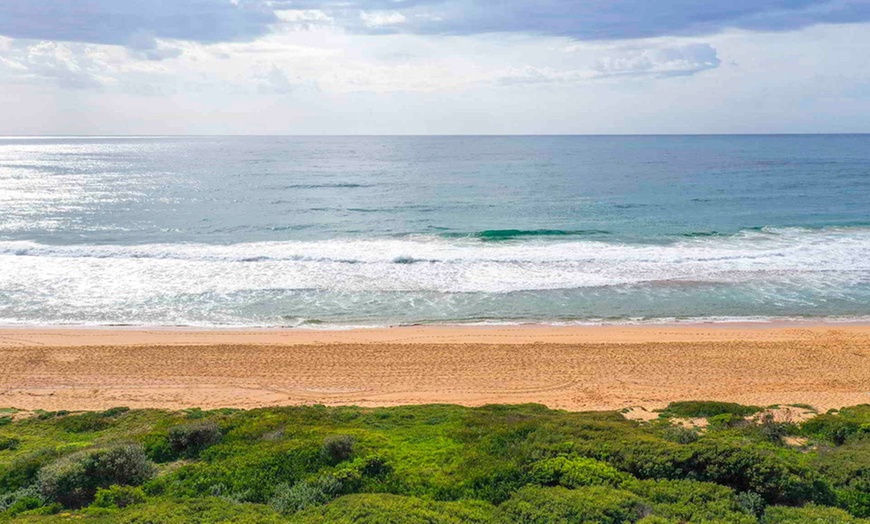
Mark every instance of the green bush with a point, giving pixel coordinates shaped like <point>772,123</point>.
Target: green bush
<point>725,421</point>
<point>74,480</point>
<point>809,514</point>
<point>831,428</point>
<point>751,503</point>
<point>598,504</point>
<point>690,501</point>
<point>188,440</point>
<point>575,472</point>
<point>337,448</point>
<point>20,500</point>
<point>22,471</point>
<point>771,429</point>
<point>83,423</point>
<point>305,494</point>
<point>395,509</point>
<point>115,412</point>
<point>8,443</point>
<point>118,497</point>
<point>680,434</point>
<point>705,409</point>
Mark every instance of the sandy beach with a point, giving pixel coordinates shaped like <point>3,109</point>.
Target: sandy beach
<point>575,368</point>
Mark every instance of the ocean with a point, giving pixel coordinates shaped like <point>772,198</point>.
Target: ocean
<point>371,231</point>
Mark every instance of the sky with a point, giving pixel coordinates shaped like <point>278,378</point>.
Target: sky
<point>103,67</point>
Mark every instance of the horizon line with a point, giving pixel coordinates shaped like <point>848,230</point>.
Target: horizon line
<point>410,135</point>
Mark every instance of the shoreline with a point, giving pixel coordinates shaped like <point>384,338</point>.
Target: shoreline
<point>578,368</point>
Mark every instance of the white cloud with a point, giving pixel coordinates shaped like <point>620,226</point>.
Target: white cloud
<point>329,80</point>
<point>376,19</point>
<point>662,61</point>
<point>303,15</point>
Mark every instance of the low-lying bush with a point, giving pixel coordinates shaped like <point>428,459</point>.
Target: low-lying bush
<point>809,514</point>
<point>592,504</point>
<point>74,480</point>
<point>681,434</point>
<point>21,500</point>
<point>575,472</point>
<point>305,494</point>
<point>8,443</point>
<point>705,409</point>
<point>188,440</point>
<point>396,509</point>
<point>337,448</point>
<point>118,497</point>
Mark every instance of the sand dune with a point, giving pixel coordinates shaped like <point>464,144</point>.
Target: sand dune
<point>577,368</point>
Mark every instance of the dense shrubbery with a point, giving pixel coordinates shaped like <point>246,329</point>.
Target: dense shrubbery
<point>594,504</point>
<point>434,464</point>
<point>188,440</point>
<point>696,409</point>
<point>337,448</point>
<point>74,479</point>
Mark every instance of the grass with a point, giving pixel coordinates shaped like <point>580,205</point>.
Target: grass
<point>432,464</point>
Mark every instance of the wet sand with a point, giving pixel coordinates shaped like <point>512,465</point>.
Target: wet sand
<point>576,368</point>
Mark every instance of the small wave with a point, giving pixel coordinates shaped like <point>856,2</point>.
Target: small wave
<point>340,185</point>
<point>411,260</point>
<point>702,234</point>
<point>508,234</point>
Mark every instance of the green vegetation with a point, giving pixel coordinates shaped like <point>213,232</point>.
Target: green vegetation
<point>705,409</point>
<point>435,464</point>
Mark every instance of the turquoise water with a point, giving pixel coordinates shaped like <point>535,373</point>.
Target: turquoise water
<point>287,231</point>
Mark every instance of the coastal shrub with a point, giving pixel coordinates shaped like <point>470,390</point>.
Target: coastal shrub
<point>772,430</point>
<point>396,509</point>
<point>185,511</point>
<point>337,448</point>
<point>847,467</point>
<point>751,503</point>
<point>305,494</point>
<point>575,472</point>
<point>705,409</point>
<point>497,455</point>
<point>725,421</point>
<point>23,469</point>
<point>5,420</point>
<point>73,480</point>
<point>376,467</point>
<point>681,434</point>
<point>118,497</point>
<point>115,412</point>
<point>8,443</point>
<point>21,500</point>
<point>83,423</point>
<point>690,501</point>
<point>830,428</point>
<point>243,468</point>
<point>598,504</point>
<point>809,514</point>
<point>188,440</point>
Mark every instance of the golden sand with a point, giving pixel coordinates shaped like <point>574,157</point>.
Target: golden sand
<point>576,368</point>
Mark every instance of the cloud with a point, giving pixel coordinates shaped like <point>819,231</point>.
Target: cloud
<point>593,20</point>
<point>656,62</point>
<point>144,46</point>
<point>661,62</point>
<point>70,66</point>
<point>382,18</point>
<point>115,22</point>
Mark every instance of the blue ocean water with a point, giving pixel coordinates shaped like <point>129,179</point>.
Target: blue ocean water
<point>327,231</point>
